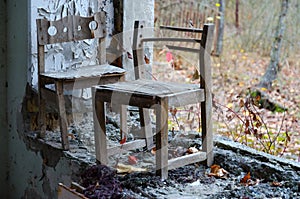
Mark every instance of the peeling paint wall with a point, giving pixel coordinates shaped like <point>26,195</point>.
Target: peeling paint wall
<point>63,56</point>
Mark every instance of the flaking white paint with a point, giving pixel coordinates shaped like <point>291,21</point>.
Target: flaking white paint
<point>64,56</point>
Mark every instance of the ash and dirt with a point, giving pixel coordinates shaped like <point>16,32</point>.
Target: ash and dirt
<point>273,177</point>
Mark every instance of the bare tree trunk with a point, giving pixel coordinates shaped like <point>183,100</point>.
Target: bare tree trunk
<point>237,14</point>
<point>273,68</point>
<point>220,27</point>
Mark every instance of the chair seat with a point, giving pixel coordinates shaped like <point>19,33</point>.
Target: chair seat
<point>178,94</point>
<point>84,72</point>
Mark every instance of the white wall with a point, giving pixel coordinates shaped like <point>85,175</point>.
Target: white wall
<point>135,10</point>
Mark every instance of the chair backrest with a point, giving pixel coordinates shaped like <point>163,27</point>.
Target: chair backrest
<point>203,49</point>
<point>68,29</point>
<point>188,13</point>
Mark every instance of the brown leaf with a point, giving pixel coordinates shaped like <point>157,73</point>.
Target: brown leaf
<point>71,135</point>
<point>247,132</point>
<point>153,150</point>
<point>246,178</point>
<point>217,171</point>
<point>173,111</point>
<point>254,117</point>
<point>177,64</point>
<point>123,140</point>
<point>258,97</point>
<point>247,123</point>
<point>192,150</point>
<point>258,124</point>
<point>214,168</point>
<point>242,103</point>
<point>276,184</point>
<point>147,60</point>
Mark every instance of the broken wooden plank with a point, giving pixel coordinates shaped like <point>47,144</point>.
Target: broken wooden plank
<point>123,148</point>
<point>186,159</point>
<point>64,192</point>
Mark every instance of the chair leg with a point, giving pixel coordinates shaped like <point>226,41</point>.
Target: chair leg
<point>162,139</point>
<point>207,136</point>
<point>123,121</point>
<point>146,126</point>
<point>100,130</point>
<point>62,115</point>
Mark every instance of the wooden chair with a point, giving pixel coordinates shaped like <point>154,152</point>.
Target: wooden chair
<point>151,94</point>
<point>71,29</point>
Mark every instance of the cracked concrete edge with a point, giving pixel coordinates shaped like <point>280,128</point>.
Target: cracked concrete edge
<point>236,147</point>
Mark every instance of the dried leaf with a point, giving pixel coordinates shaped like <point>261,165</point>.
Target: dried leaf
<point>276,184</point>
<point>258,97</point>
<point>123,140</point>
<point>132,159</point>
<point>258,124</point>
<point>177,64</point>
<point>254,117</point>
<point>173,111</point>
<point>192,150</point>
<point>153,150</point>
<point>217,171</point>
<point>242,103</point>
<point>71,135</point>
<point>123,168</point>
<point>246,178</point>
<point>214,168</point>
<point>147,60</point>
<point>247,132</point>
<point>247,123</point>
<point>252,182</point>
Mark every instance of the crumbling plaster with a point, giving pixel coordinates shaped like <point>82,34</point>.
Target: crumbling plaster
<point>34,168</point>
